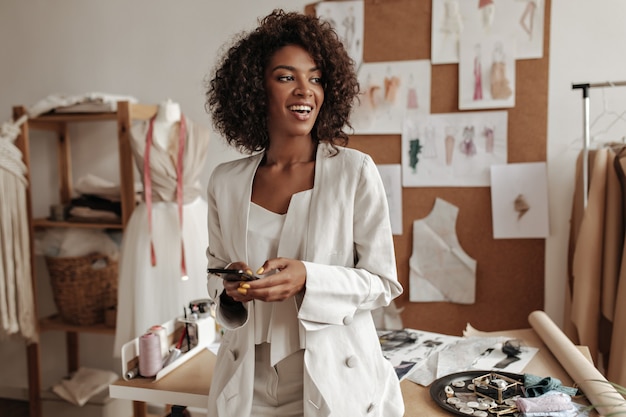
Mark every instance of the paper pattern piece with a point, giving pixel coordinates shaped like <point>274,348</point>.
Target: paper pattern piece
<point>519,200</point>
<point>453,20</point>
<point>347,19</point>
<point>391,175</point>
<point>453,149</point>
<point>389,91</point>
<point>408,349</point>
<point>471,353</point>
<point>440,270</point>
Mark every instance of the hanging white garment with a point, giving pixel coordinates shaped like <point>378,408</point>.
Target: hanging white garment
<point>17,307</point>
<point>150,295</point>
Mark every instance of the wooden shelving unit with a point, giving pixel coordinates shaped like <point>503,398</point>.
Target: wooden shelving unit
<point>58,123</point>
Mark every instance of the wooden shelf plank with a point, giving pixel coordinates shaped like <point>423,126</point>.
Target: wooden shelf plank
<point>45,223</point>
<point>70,117</point>
<point>55,322</point>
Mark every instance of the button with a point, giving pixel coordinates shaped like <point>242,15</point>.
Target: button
<point>352,361</point>
<point>347,320</point>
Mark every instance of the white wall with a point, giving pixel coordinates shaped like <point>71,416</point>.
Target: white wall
<point>157,49</point>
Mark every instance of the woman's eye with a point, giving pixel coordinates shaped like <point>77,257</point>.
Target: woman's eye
<point>285,78</point>
<point>316,80</point>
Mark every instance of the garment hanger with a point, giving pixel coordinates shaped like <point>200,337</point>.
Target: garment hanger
<point>613,117</point>
<point>605,122</point>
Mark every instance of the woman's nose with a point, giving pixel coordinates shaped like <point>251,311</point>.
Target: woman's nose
<point>303,90</point>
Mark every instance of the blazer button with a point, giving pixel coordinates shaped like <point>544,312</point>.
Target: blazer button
<point>352,361</point>
<point>347,320</point>
<point>371,407</point>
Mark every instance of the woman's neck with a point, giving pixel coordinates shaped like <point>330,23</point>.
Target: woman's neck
<point>291,152</point>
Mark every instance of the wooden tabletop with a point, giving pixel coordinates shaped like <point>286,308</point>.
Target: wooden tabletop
<point>190,383</point>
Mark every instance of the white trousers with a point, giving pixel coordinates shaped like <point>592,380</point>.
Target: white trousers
<point>277,389</point>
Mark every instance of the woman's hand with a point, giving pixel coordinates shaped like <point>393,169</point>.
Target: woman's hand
<point>279,279</point>
<point>232,288</point>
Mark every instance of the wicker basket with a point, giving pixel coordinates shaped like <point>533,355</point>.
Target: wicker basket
<point>83,287</point>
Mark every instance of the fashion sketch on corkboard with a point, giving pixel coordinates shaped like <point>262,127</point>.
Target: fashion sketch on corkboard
<point>487,73</point>
<point>453,149</point>
<point>519,200</point>
<point>389,91</point>
<point>347,19</point>
<point>454,20</point>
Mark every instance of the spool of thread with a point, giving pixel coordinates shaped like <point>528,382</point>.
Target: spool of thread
<point>173,355</point>
<point>150,358</point>
<point>162,333</point>
<point>130,374</point>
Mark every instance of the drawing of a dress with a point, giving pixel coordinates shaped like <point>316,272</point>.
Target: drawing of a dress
<point>478,76</point>
<point>467,145</point>
<point>500,89</point>
<point>440,270</point>
<point>149,295</point>
<point>452,21</point>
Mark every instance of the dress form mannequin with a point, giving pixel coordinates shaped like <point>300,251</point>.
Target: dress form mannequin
<point>167,115</point>
<point>151,289</point>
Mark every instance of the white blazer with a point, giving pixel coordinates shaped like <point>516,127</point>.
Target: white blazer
<point>351,270</point>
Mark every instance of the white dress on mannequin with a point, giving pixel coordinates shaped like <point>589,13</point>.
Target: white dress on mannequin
<point>153,291</point>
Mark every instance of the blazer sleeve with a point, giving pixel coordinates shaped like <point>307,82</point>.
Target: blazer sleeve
<point>229,315</point>
<point>335,293</point>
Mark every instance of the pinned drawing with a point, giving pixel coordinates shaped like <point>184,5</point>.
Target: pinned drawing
<point>487,73</point>
<point>453,149</point>
<point>347,19</point>
<point>519,200</point>
<point>389,92</point>
<point>453,20</point>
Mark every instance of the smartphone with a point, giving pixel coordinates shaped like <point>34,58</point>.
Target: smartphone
<point>232,274</point>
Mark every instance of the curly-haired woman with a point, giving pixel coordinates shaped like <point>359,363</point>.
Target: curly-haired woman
<point>310,217</point>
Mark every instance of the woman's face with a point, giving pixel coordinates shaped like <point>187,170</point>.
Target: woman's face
<point>294,90</point>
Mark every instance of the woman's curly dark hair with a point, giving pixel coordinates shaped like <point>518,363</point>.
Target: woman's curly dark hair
<point>236,96</point>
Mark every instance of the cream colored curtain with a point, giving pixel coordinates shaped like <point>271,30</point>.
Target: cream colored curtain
<point>17,312</point>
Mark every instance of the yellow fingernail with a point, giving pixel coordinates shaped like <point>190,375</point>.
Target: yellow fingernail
<point>249,271</point>
<point>244,285</point>
<point>260,270</point>
<point>242,291</point>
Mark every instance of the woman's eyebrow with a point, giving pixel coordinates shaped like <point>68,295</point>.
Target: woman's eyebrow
<point>292,68</point>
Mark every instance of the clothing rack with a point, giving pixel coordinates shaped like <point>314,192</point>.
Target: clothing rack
<point>586,128</point>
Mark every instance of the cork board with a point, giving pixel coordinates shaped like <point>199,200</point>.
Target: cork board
<point>510,272</point>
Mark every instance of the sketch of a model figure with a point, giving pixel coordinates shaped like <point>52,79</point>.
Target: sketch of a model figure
<point>478,76</point>
<point>415,149</point>
<point>467,145</point>
<point>527,20</point>
<point>500,89</point>
<point>429,149</point>
<point>373,92</point>
<point>488,133</point>
<point>449,143</point>
<point>452,24</point>
<point>349,36</point>
<point>488,11</point>
<point>392,84</point>
<point>411,98</point>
